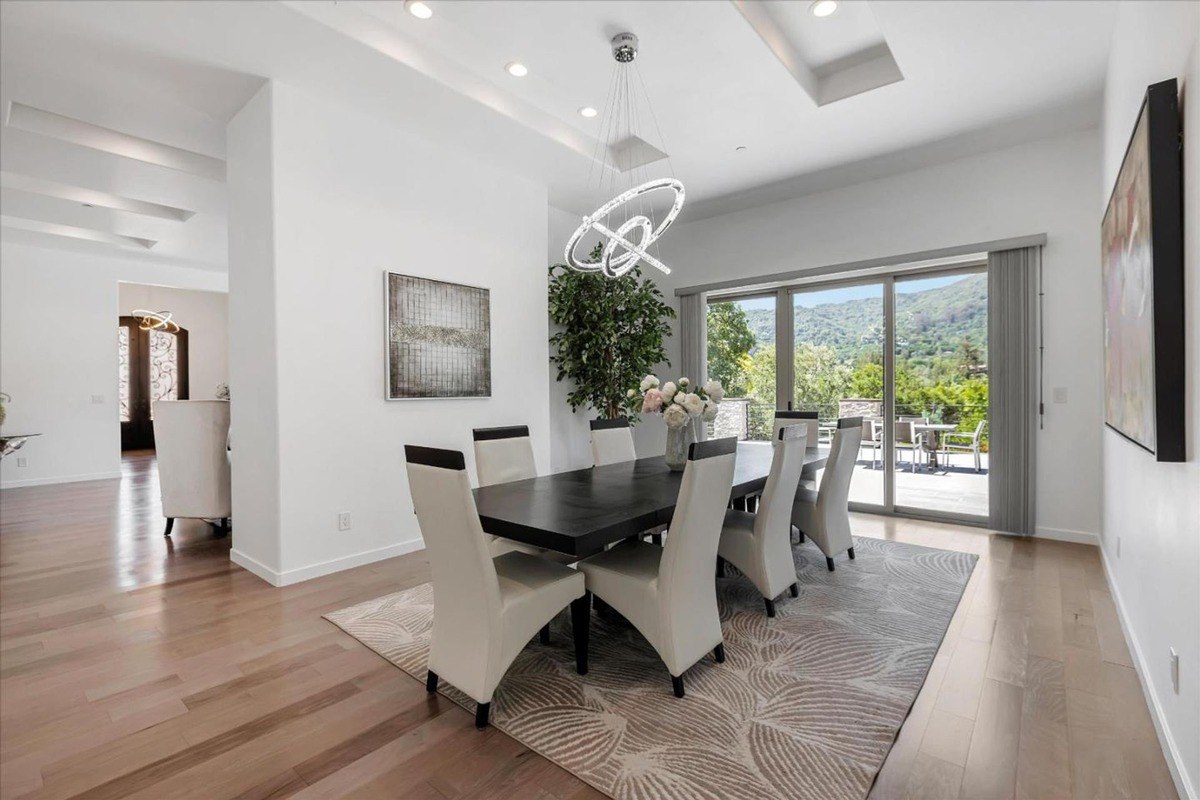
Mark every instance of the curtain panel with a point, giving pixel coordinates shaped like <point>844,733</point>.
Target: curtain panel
<point>1013,388</point>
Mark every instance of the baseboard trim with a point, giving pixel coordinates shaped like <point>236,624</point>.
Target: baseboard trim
<point>93,476</point>
<point>1183,784</point>
<point>301,574</point>
<point>1064,535</point>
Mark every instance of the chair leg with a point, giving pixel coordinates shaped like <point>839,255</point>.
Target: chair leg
<point>677,685</point>
<point>431,681</point>
<point>719,653</point>
<point>224,527</point>
<point>720,567</point>
<point>656,539</point>
<point>801,535</point>
<point>829,563</point>
<point>481,714</point>
<point>851,552</point>
<point>170,524</point>
<point>544,634</point>
<point>795,590</point>
<point>581,621</point>
<point>770,606</point>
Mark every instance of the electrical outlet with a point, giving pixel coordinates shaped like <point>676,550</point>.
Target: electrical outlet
<point>344,521</point>
<point>97,399</point>
<point>1175,670</point>
<point>1060,394</point>
<point>22,461</point>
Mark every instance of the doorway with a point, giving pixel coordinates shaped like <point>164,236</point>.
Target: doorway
<point>152,365</point>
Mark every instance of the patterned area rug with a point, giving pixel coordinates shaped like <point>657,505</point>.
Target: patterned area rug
<point>806,705</point>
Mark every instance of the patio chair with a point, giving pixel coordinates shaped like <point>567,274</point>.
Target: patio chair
<point>907,437</point>
<point>873,437</point>
<point>968,443</point>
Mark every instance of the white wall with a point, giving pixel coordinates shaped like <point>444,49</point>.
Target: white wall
<point>58,348</point>
<point>350,198</point>
<point>204,315</point>
<point>1045,186</point>
<point>1153,508</point>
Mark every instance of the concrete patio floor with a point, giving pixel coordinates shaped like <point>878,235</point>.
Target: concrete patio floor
<point>955,489</point>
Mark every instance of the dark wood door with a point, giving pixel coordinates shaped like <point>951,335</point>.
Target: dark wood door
<point>151,365</point>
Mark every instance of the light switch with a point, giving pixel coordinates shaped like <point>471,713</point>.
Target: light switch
<point>1060,394</point>
<point>97,399</point>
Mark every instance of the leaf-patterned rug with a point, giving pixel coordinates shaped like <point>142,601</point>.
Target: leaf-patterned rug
<point>806,705</point>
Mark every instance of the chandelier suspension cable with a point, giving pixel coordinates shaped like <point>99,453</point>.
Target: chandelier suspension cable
<point>628,223</point>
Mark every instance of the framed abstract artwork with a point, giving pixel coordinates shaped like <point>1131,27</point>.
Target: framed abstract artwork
<point>1142,252</point>
<point>439,339</point>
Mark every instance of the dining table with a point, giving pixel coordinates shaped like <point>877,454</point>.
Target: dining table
<point>582,511</point>
<point>935,430</point>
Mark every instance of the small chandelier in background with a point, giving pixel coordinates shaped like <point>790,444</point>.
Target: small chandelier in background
<point>628,238</point>
<point>155,320</point>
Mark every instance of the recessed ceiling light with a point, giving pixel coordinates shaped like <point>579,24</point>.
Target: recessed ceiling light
<point>823,8</point>
<point>587,111</point>
<point>418,9</point>
<point>516,69</point>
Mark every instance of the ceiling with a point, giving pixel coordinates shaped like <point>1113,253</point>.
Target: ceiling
<point>148,88</point>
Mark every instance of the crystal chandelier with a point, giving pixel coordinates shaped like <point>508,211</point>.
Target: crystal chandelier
<point>628,223</point>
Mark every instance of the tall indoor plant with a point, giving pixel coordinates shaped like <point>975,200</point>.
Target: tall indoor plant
<point>611,335</point>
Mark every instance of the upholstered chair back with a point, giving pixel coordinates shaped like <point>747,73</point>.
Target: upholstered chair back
<point>612,441</point>
<point>775,506</point>
<point>785,418</point>
<point>191,439</point>
<point>503,455</point>
<point>834,492</point>
<point>466,591</point>
<point>687,592</point>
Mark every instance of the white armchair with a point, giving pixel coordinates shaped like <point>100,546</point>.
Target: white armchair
<point>191,439</point>
<point>962,442</point>
<point>668,593</point>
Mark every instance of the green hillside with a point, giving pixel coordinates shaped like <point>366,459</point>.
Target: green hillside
<point>929,323</point>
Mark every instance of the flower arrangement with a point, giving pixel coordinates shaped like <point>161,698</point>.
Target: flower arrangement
<point>678,402</point>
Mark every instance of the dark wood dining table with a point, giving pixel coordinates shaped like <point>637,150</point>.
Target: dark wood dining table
<point>581,511</point>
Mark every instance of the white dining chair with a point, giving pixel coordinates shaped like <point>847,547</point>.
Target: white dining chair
<point>824,515</point>
<point>759,544</point>
<point>485,609</point>
<point>190,440</point>
<point>504,455</point>
<point>612,441</point>
<point>668,593</point>
<point>963,442</point>
<point>783,418</point>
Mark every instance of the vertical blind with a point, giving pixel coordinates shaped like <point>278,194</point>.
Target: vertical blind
<point>1013,390</point>
<point>693,337</point>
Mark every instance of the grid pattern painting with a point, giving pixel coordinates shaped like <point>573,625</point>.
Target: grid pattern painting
<point>439,339</point>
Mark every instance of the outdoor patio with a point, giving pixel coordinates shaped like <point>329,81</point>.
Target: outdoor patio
<point>954,489</point>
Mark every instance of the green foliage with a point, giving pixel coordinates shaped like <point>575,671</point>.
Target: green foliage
<point>612,335</point>
<point>729,339</point>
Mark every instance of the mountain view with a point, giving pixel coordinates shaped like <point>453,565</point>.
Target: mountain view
<point>928,323</point>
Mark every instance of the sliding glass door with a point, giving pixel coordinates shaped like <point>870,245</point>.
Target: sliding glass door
<point>941,393</point>
<point>837,371</point>
<point>905,351</point>
<point>742,355</point>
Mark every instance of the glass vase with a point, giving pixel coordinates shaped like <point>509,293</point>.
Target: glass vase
<point>678,441</point>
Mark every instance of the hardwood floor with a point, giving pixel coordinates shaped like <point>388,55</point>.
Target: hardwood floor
<point>137,666</point>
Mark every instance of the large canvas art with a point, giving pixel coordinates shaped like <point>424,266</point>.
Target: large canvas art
<point>1143,275</point>
<point>439,339</point>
